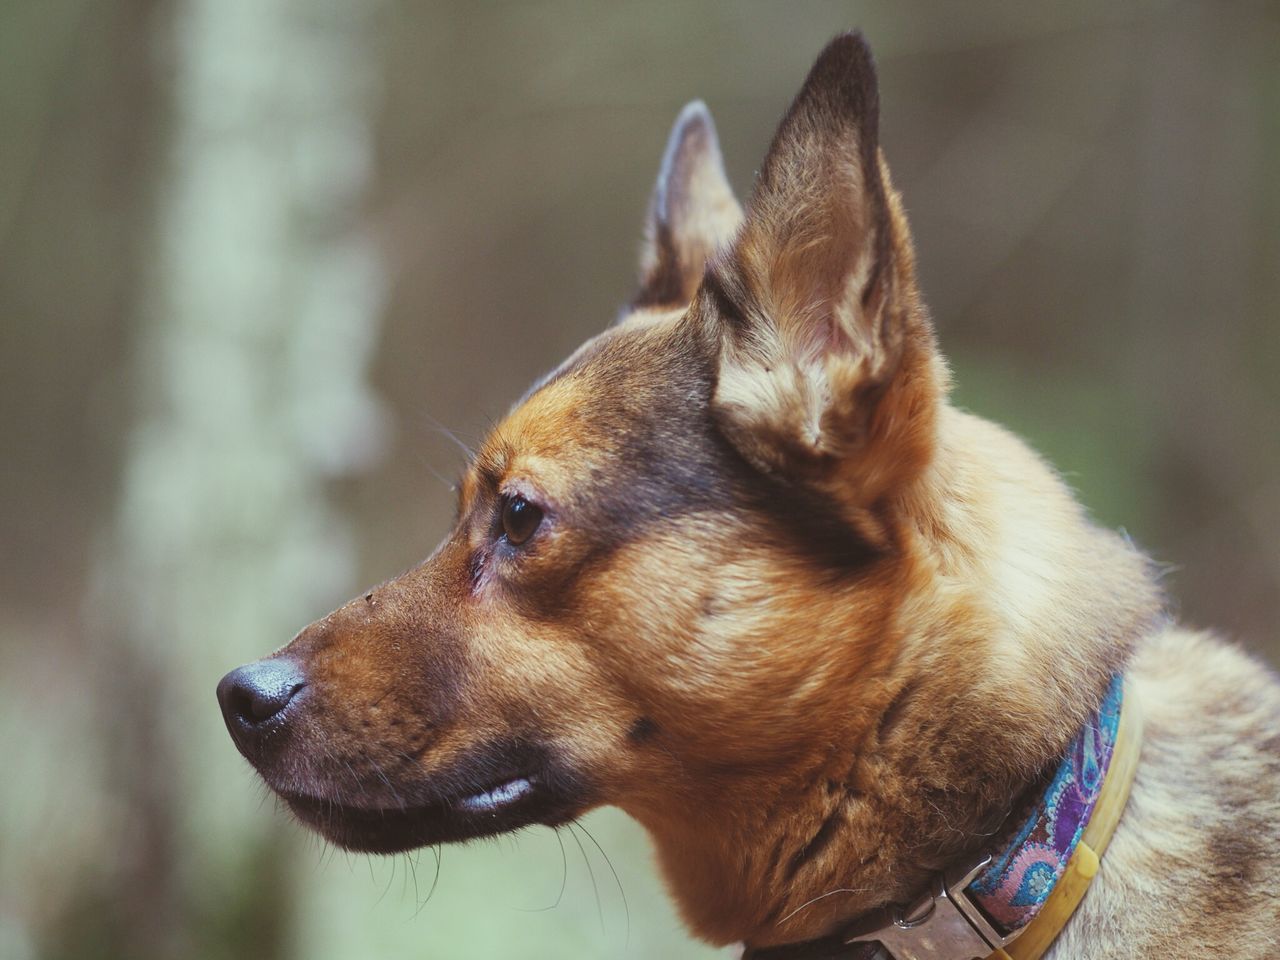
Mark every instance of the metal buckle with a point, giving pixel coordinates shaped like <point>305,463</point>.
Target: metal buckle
<point>942,925</point>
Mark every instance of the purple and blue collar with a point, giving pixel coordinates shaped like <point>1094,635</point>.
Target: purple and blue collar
<point>984,908</point>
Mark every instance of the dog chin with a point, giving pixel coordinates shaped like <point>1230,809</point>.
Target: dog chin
<point>485,809</point>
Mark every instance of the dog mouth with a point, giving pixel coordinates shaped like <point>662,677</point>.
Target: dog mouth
<point>494,799</point>
<point>485,807</point>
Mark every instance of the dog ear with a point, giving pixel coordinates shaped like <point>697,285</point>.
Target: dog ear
<point>692,212</point>
<point>827,366</point>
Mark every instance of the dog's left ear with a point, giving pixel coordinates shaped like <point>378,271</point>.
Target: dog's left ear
<point>692,212</point>
<point>827,367</point>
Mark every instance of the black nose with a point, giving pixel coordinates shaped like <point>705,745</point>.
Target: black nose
<point>253,694</point>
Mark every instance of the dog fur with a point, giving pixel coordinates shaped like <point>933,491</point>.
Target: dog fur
<point>812,626</point>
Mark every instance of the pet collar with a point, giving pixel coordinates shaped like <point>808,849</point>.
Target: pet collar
<point>1012,904</point>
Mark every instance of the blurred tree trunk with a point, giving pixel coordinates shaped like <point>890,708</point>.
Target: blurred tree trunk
<point>260,316</point>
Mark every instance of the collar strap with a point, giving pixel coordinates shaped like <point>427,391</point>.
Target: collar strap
<point>1011,906</point>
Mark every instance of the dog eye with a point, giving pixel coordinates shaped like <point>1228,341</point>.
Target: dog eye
<point>520,519</point>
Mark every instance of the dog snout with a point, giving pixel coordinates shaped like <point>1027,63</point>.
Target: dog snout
<point>254,697</point>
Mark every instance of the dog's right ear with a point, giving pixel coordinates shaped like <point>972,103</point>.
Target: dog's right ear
<point>692,212</point>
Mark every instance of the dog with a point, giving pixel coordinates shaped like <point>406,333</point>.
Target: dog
<point>738,568</point>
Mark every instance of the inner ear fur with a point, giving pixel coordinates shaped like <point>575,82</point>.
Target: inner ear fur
<point>692,215</point>
<point>828,369</point>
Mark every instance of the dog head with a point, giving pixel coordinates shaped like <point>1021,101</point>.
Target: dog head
<point>712,569</point>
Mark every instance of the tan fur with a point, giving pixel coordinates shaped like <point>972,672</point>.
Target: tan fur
<point>1193,870</point>
<point>809,624</point>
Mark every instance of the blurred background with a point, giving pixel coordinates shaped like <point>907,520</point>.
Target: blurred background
<point>258,257</point>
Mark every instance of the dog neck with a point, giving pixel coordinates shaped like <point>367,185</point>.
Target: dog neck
<point>1020,614</point>
<point>1021,892</point>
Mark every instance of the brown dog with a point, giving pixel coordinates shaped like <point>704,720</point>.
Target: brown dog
<point>738,568</point>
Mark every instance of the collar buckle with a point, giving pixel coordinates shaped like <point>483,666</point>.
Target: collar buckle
<point>944,924</point>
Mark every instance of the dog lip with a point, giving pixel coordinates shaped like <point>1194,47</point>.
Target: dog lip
<point>495,798</point>
<point>509,804</point>
<point>503,792</point>
<point>495,788</point>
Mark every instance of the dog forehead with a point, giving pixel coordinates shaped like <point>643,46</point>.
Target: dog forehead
<point>620,385</point>
<point>558,432</point>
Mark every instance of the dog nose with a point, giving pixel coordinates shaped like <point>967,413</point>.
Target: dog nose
<point>253,694</point>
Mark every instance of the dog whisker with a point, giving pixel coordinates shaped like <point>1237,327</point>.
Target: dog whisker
<point>439,428</point>
<point>590,872</point>
<point>621,892</point>
<point>432,889</point>
<point>410,872</point>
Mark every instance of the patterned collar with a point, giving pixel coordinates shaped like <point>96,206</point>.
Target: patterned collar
<point>1011,905</point>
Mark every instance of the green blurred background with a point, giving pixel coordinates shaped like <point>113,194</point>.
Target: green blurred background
<point>257,255</point>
